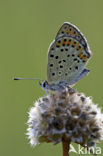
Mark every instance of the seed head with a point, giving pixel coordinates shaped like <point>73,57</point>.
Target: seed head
<point>65,116</point>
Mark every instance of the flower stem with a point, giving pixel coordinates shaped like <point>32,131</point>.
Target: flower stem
<point>65,147</point>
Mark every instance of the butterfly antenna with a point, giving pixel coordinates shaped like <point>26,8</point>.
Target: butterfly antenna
<point>27,79</point>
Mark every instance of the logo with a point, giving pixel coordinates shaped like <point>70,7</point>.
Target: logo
<point>83,150</point>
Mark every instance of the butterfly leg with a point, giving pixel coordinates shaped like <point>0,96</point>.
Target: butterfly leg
<point>63,86</point>
<point>71,90</point>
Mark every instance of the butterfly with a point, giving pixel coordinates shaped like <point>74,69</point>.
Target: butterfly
<point>67,58</point>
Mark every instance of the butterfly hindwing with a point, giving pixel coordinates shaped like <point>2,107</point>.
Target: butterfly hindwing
<point>79,77</point>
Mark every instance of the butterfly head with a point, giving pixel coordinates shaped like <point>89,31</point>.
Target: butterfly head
<point>44,84</point>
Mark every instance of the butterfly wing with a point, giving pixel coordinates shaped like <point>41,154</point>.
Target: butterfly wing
<point>71,30</point>
<point>67,56</point>
<point>80,76</point>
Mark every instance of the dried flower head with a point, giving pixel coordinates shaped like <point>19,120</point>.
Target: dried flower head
<point>65,116</point>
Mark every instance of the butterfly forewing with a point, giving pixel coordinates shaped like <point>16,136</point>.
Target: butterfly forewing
<point>66,59</point>
<point>73,31</point>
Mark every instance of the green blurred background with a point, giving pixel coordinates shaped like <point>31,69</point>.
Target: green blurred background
<point>27,27</point>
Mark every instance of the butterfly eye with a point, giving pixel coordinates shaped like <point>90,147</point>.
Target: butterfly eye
<point>42,84</point>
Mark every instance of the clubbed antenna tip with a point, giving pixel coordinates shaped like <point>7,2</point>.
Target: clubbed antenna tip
<point>27,79</point>
<point>16,78</point>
